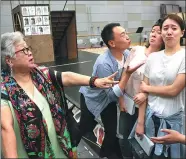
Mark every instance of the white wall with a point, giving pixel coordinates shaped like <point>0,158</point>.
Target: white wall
<point>131,14</point>
<point>181,4</point>
<point>6,18</point>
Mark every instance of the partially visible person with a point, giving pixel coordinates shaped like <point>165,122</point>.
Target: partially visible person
<point>95,103</point>
<point>138,54</point>
<point>33,123</point>
<point>171,137</point>
<point>164,81</point>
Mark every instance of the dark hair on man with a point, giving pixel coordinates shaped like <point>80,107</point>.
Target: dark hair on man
<point>107,33</point>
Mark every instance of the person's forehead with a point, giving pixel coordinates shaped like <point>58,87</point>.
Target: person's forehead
<point>21,44</point>
<point>170,22</point>
<point>156,28</point>
<point>118,29</point>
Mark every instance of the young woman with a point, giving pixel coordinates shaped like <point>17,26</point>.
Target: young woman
<point>164,81</point>
<point>138,54</point>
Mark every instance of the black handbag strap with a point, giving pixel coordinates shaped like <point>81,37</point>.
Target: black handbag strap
<point>57,82</point>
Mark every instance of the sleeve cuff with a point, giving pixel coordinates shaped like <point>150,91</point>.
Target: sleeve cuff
<point>180,72</point>
<point>117,91</point>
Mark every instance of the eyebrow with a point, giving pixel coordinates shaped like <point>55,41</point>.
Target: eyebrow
<point>123,32</point>
<point>171,25</point>
<point>155,30</point>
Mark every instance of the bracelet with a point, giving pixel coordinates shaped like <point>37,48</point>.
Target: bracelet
<point>92,80</point>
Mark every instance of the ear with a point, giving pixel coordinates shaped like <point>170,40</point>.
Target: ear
<point>111,43</point>
<point>183,33</point>
<point>9,61</point>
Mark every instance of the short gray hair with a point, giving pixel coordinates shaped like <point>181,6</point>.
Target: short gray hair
<point>8,41</point>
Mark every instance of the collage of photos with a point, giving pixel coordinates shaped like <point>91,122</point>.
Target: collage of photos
<point>36,20</point>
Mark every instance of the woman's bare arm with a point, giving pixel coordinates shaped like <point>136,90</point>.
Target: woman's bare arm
<point>170,90</point>
<point>141,114</point>
<point>75,79</point>
<point>9,147</point>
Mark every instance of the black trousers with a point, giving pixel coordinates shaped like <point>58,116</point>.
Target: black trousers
<point>110,146</point>
<point>126,123</point>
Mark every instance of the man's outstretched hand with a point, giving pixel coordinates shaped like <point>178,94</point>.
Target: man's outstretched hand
<point>130,70</point>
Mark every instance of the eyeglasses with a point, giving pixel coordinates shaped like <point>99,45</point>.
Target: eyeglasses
<point>25,50</point>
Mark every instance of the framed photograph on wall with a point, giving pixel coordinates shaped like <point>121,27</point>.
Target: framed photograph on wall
<point>45,10</point>
<point>39,10</point>
<point>34,30</point>
<point>26,21</point>
<point>39,20</point>
<point>32,21</point>
<point>27,30</point>
<point>40,30</point>
<point>46,29</point>
<point>25,11</point>
<point>32,10</point>
<point>46,20</point>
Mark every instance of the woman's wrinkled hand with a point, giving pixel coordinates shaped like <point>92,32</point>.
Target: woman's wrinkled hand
<point>106,82</point>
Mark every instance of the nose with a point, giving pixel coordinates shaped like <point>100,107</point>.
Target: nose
<point>154,34</point>
<point>169,31</point>
<point>127,37</point>
<point>29,52</point>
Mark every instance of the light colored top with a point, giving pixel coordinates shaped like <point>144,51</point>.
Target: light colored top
<point>135,57</point>
<point>97,99</point>
<point>43,105</point>
<point>162,70</point>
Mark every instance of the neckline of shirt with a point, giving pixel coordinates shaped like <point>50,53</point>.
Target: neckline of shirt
<point>169,56</point>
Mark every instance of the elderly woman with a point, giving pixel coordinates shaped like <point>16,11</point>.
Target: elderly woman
<point>32,113</point>
<point>165,82</point>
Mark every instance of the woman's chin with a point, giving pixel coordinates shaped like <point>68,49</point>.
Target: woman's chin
<point>33,65</point>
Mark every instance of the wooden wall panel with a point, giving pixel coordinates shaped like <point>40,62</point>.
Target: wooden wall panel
<point>42,47</point>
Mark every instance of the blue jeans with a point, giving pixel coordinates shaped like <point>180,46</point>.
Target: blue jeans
<point>156,121</point>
